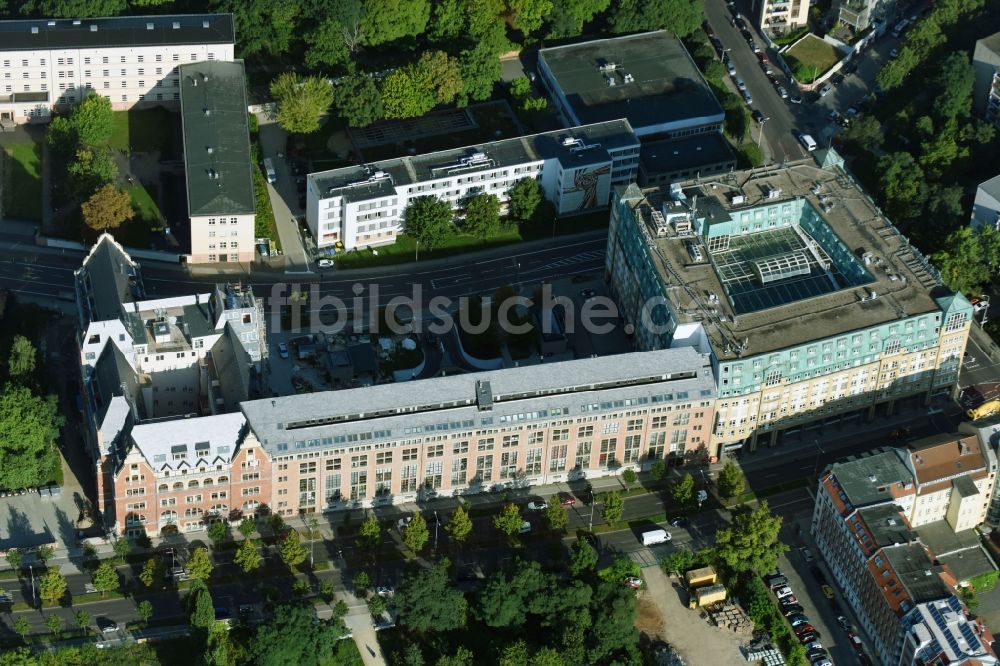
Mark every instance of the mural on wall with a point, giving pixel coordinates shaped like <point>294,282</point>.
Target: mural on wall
<point>589,189</point>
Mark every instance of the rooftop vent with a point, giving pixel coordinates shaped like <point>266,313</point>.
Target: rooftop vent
<point>149,26</point>
<point>610,81</point>
<point>209,150</point>
<point>208,111</point>
<point>34,30</point>
<point>608,67</point>
<point>176,25</point>
<point>773,193</point>
<point>628,78</point>
<point>93,27</point>
<point>570,141</point>
<point>738,199</point>
<point>204,77</point>
<point>872,478</point>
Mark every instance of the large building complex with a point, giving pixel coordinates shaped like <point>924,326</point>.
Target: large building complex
<point>156,360</point>
<point>781,17</point>
<point>217,162</point>
<point>364,205</point>
<point>868,523</point>
<point>131,60</point>
<point>812,304</point>
<point>986,85</point>
<point>648,79</point>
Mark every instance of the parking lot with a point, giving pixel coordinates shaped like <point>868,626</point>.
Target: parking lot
<point>30,520</point>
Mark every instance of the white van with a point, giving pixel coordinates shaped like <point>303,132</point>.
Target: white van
<point>808,142</point>
<point>272,177</point>
<point>653,537</point>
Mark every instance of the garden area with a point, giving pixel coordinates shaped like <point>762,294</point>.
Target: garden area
<point>811,57</point>
<point>22,180</point>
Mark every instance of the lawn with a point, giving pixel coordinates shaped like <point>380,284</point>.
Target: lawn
<point>147,223</point>
<point>811,57</point>
<point>145,131</point>
<point>22,184</point>
<point>143,202</point>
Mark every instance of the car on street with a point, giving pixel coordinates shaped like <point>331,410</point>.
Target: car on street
<point>782,592</point>
<point>786,601</point>
<point>815,645</point>
<point>844,623</point>
<point>764,67</point>
<point>106,625</point>
<point>822,661</point>
<point>680,521</point>
<point>825,90</point>
<point>807,638</point>
<point>833,115</point>
<point>855,642</point>
<point>761,57</point>
<point>537,505</point>
<point>893,54</point>
<point>525,528</point>
<point>795,100</point>
<point>633,582</point>
<point>749,100</point>
<point>851,112</point>
<point>782,93</point>
<point>757,116</point>
<point>791,609</point>
<point>806,554</point>
<point>828,592</point>
<point>816,653</point>
<point>741,85</point>
<point>403,522</point>
<point>753,46</point>
<point>798,620</point>
<point>803,629</point>
<point>325,263</point>
<point>566,499</point>
<point>283,350</point>
<point>385,592</point>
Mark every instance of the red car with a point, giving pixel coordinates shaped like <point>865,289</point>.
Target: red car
<point>803,629</point>
<point>762,58</point>
<point>566,499</point>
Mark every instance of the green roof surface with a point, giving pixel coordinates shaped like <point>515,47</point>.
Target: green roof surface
<point>216,139</point>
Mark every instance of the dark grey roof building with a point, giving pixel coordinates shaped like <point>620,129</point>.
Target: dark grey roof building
<point>116,31</point>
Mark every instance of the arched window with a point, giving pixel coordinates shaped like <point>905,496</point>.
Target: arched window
<point>192,484</point>
<point>178,486</point>
<point>164,488</point>
<point>223,479</point>
<point>168,517</point>
<point>208,482</point>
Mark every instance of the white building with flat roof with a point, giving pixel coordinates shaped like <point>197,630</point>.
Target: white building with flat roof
<point>131,60</point>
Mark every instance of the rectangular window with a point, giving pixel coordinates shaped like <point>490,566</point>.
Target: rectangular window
<point>409,454</point>
<point>359,485</point>
<point>383,458</point>
<point>632,446</point>
<point>484,468</point>
<point>608,449</point>
<point>510,440</point>
<point>508,465</point>
<point>557,461</point>
<point>408,482</point>
<point>435,450</point>
<point>582,455</point>
<point>433,477</point>
<point>533,462</point>
<point>460,447</point>
<point>560,435</point>
<point>459,471</point>
<point>485,444</point>
<point>585,431</point>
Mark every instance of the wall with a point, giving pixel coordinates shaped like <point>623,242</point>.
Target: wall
<point>209,234</point>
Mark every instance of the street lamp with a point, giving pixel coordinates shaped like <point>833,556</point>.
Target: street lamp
<point>760,134</point>
<point>313,524</point>
<point>435,530</point>
<point>32,570</point>
<point>593,503</point>
<point>416,252</point>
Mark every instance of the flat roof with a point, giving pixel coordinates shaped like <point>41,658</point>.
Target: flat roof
<point>867,479</point>
<point>666,87</point>
<point>918,574</point>
<point>217,161</point>
<point>116,31</point>
<point>886,526</point>
<point>798,195</point>
<point>685,154</point>
<point>584,145</point>
<point>391,411</point>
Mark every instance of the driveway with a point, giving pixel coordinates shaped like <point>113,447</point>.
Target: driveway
<point>284,201</point>
<point>663,613</point>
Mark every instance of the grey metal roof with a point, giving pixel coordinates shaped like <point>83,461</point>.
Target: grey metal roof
<point>991,186</point>
<point>686,154</point>
<point>108,272</point>
<point>116,31</point>
<point>867,479</point>
<point>158,440</point>
<point>667,85</point>
<point>886,526</point>
<point>916,572</point>
<point>450,403</point>
<point>991,42</point>
<point>352,182</point>
<point>217,160</point>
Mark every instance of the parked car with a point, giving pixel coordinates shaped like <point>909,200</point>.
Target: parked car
<point>790,599</point>
<point>403,522</point>
<point>385,592</point>
<point>803,629</point>
<point>749,100</point>
<point>783,591</point>
<point>825,90</point>
<point>856,642</point>
<point>680,521</point>
<point>844,623</point>
<point>833,115</point>
<point>798,620</point>
<point>537,505</point>
<point>107,625</point>
<point>633,582</point>
<point>283,350</point>
<point>791,609</point>
<point>816,653</point>
<point>325,263</point>
<point>740,84</point>
<point>795,100</point>
<point>566,499</point>
<point>807,638</point>
<point>815,645</point>
<point>782,93</point>
<point>762,57</point>
<point>822,661</point>
<point>893,54</point>
<point>828,592</point>
<point>757,116</point>
<point>806,554</point>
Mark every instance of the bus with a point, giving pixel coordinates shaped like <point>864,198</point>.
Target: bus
<point>988,408</point>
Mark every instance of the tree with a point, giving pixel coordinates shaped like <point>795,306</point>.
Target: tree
<point>93,120</point>
<point>52,586</point>
<point>276,524</point>
<point>370,534</point>
<point>54,623</point>
<point>731,481</point>
<point>682,17</point>
<point>218,531</point>
<point>358,100</point>
<point>76,9</point>
<point>447,21</point>
<point>301,100</point>
<point>122,548</point>
<point>482,216</point>
<point>894,72</point>
<point>326,44</point>
<point>441,73</point>
<point>658,470</point>
<point>293,553</point>
<point>509,519</point>
<point>459,525</point>
<point>92,168</point>
<point>612,637</point>
<point>145,610</point>
<point>362,581</point>
<point>200,607</point>
<point>612,506</point>
<point>107,208</point>
<point>406,93</point>
<point>14,556</point>
<point>864,132</point>
<point>61,136</point>
<point>45,553</point>
<point>82,619</point>
<point>29,429</point>
<point>247,556</point>
<point>480,65</point>
<point>970,255</point>
<point>294,636</point>
<point>583,559</point>
<point>376,605</point>
<point>750,543</point>
<point>389,20</point>
<point>247,527</point>
<point>152,571</point>
<point>524,198</point>
<point>21,362</point>
<point>683,492</point>
<point>968,595</point>
<point>902,184</point>
<point>516,654</point>
<point>426,601</point>
<point>106,578</point>
<point>568,16</point>
<point>953,84</point>
<point>429,221</point>
<point>629,476</point>
<point>262,25</point>
<point>557,516</point>
<point>528,15</point>
<point>505,599</point>
<point>200,566</point>
<point>22,626</point>
<point>415,535</point>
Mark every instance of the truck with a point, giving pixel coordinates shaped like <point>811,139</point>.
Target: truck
<point>988,408</point>
<point>703,587</point>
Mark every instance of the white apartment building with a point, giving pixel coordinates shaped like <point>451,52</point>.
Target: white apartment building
<point>780,17</point>
<point>217,162</point>
<point>359,206</point>
<point>130,60</point>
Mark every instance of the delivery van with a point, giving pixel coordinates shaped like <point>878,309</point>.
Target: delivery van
<point>653,537</point>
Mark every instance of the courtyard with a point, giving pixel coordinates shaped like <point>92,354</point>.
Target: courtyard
<point>811,57</point>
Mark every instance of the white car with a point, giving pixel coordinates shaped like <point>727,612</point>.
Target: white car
<point>782,93</point>
<point>833,115</point>
<point>740,84</point>
<point>537,506</point>
<point>325,263</point>
<point>525,528</point>
<point>385,592</point>
<point>782,592</point>
<point>282,350</point>
<point>825,90</point>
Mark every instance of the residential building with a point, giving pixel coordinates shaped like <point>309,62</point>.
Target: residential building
<point>808,314</point>
<point>781,17</point>
<point>217,162</point>
<point>899,589</point>
<point>986,85</point>
<point>988,432</point>
<point>648,79</point>
<point>163,360</point>
<point>674,160</point>
<point>986,205</point>
<point>864,14</point>
<point>131,60</point>
<point>359,206</point>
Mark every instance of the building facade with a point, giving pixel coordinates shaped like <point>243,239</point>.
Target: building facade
<point>741,266</point>
<point>781,17</point>
<point>131,60</point>
<point>986,84</point>
<point>359,206</point>
<point>864,14</point>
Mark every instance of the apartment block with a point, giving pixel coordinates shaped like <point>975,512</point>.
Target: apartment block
<point>360,206</point>
<point>901,592</point>
<point>986,205</point>
<point>131,60</point>
<point>986,85</point>
<point>781,17</point>
<point>809,315</point>
<point>217,163</point>
<point>163,360</point>
<point>864,14</point>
